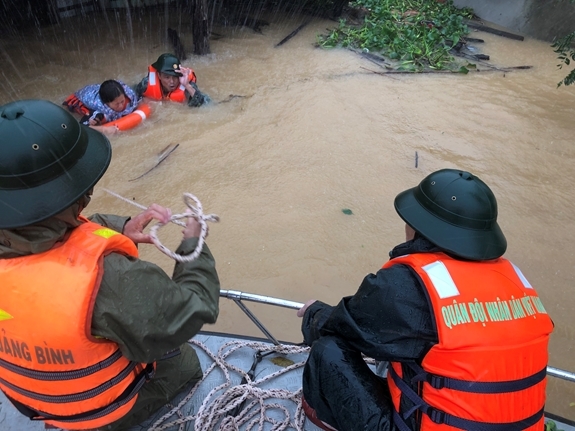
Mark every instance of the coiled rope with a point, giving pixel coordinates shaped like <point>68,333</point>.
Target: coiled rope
<point>196,212</point>
<point>223,399</point>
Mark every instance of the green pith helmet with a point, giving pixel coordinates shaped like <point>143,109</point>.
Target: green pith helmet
<point>47,161</point>
<point>456,211</point>
<point>168,63</point>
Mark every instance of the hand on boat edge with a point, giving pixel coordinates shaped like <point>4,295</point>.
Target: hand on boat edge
<point>302,310</point>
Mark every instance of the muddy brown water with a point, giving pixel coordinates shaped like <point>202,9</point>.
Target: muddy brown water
<point>314,133</point>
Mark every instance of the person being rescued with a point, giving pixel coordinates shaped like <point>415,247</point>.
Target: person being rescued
<point>167,79</point>
<point>98,104</point>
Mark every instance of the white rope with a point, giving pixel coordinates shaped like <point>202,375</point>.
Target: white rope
<point>193,211</point>
<point>213,414</point>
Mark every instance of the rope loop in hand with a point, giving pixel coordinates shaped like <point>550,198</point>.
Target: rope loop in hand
<point>192,211</point>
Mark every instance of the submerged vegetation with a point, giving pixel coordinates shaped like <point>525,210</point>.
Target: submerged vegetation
<point>551,426</point>
<point>566,54</point>
<point>417,34</point>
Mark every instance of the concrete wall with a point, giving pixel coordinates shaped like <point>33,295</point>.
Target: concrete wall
<point>541,19</point>
<point>68,8</point>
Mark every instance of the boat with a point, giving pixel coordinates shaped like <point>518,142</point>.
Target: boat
<point>250,383</point>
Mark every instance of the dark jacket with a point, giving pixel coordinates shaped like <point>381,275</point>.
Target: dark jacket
<point>387,319</point>
<point>380,320</point>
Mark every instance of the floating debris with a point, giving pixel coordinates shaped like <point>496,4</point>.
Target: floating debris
<point>161,157</point>
<point>292,34</point>
<point>347,211</point>
<point>280,361</point>
<point>233,96</point>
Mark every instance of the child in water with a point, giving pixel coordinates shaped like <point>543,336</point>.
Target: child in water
<point>102,103</point>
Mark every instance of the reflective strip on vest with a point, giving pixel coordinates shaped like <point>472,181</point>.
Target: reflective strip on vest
<point>441,279</point>
<point>522,277</point>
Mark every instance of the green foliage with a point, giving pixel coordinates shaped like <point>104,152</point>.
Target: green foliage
<point>550,425</point>
<point>417,34</point>
<point>566,53</point>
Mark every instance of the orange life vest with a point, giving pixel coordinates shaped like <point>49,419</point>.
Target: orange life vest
<point>154,89</point>
<point>488,371</point>
<point>76,105</point>
<point>51,367</point>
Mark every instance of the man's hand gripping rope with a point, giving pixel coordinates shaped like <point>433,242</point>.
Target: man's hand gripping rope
<point>193,213</point>
<point>195,226</point>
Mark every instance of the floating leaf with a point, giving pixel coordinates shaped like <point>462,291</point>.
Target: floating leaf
<point>347,211</point>
<point>550,426</point>
<point>280,361</point>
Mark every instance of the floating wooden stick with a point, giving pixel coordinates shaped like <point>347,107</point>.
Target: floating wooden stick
<point>412,72</point>
<point>292,34</point>
<point>443,71</point>
<point>472,39</point>
<point>232,97</point>
<point>161,157</point>
<point>486,29</point>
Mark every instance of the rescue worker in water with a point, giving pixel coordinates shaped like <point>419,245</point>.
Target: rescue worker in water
<point>167,79</point>
<point>91,337</point>
<point>463,332</point>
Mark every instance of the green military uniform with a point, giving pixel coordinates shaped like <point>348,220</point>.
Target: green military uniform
<point>49,165</point>
<point>139,306</point>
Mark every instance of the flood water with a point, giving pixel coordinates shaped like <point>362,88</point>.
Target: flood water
<point>314,133</point>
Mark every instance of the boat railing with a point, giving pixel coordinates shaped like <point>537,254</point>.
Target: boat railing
<point>238,297</point>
